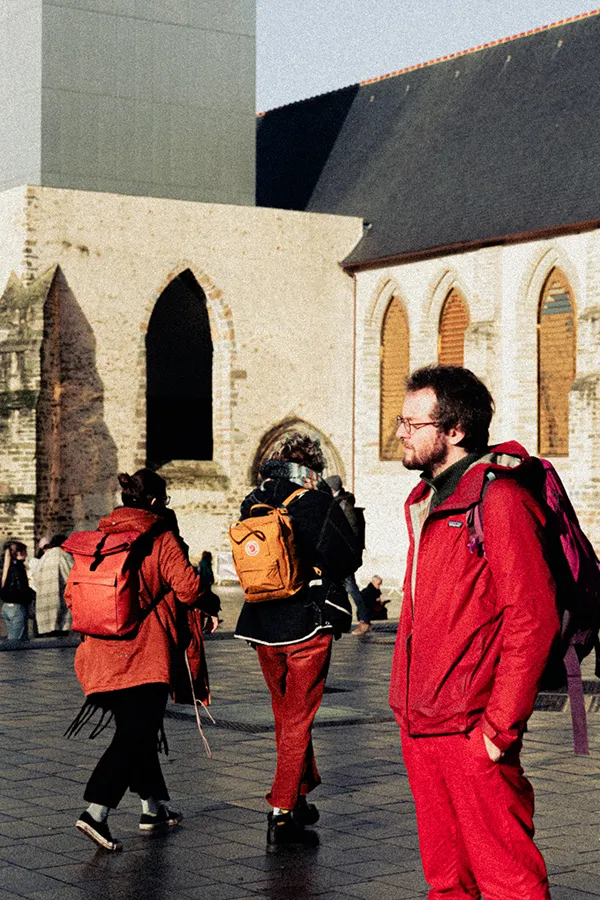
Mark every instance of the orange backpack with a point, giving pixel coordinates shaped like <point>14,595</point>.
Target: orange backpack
<point>265,555</point>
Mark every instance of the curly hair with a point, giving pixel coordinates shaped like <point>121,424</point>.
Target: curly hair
<point>301,449</point>
<point>462,399</point>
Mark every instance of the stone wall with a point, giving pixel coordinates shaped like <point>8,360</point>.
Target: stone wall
<point>502,286</point>
<point>281,316</point>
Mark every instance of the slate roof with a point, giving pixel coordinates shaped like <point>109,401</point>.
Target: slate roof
<point>497,143</point>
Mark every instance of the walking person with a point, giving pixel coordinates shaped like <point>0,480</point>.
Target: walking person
<point>474,635</point>
<point>132,677</point>
<point>293,636</point>
<point>15,593</point>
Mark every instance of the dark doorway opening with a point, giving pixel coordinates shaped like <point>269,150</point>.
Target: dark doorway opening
<point>179,375</point>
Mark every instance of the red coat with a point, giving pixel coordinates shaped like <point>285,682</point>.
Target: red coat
<point>155,653</point>
<point>474,631</point>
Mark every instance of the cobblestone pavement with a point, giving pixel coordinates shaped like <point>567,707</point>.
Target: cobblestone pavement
<point>367,835</point>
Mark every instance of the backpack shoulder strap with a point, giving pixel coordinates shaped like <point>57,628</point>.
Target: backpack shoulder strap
<point>293,496</point>
<point>475,518</point>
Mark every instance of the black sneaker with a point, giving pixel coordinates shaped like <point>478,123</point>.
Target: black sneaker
<point>281,829</point>
<point>98,832</point>
<point>305,813</point>
<point>165,818</point>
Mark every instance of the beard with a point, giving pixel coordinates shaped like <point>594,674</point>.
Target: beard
<point>426,460</point>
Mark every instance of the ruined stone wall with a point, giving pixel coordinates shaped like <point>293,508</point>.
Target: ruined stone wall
<point>502,286</point>
<point>281,316</point>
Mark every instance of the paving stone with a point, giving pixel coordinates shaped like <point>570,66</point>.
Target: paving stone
<point>367,840</point>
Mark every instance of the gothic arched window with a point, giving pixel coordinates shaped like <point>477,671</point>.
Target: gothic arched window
<point>394,370</point>
<point>557,360</point>
<point>454,321</point>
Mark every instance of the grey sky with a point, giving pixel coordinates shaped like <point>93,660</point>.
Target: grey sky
<point>306,47</point>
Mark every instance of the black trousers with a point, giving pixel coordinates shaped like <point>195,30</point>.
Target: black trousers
<point>131,759</point>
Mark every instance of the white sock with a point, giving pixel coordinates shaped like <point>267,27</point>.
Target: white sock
<point>98,812</point>
<point>150,807</point>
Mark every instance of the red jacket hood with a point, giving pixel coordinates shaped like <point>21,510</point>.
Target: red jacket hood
<point>501,457</point>
<point>128,518</point>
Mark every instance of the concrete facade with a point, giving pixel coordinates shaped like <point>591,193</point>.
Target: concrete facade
<point>90,268</point>
<point>139,97</point>
<point>502,286</point>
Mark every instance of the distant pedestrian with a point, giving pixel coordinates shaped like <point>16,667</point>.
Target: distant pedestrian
<point>205,569</point>
<point>373,606</point>
<point>131,677</point>
<point>52,615</point>
<point>474,635</point>
<point>15,593</point>
<point>293,636</point>
<point>355,516</point>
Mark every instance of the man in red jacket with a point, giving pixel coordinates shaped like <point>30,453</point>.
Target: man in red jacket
<point>474,636</point>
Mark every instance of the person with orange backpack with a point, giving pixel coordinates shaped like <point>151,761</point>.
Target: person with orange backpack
<point>292,549</point>
<point>128,589</point>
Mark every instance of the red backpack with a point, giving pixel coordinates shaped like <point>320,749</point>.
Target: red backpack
<point>576,569</point>
<point>103,587</point>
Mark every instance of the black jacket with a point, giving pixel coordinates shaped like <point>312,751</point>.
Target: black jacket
<point>16,585</point>
<point>324,539</point>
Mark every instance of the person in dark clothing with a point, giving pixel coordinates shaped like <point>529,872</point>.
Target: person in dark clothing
<point>15,593</point>
<point>371,601</point>
<point>293,636</point>
<point>347,502</point>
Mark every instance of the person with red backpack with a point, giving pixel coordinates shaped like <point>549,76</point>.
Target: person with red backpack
<point>131,675</point>
<point>474,636</point>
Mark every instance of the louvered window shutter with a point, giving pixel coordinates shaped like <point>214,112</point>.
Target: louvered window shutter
<point>395,367</point>
<point>557,355</point>
<point>454,321</point>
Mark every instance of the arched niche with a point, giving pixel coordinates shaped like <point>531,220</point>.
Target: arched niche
<point>179,353</point>
<point>272,437</point>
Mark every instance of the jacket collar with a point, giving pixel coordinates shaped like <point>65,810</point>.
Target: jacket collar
<point>500,457</point>
<point>129,518</point>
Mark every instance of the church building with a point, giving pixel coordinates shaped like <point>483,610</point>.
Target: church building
<point>180,288</point>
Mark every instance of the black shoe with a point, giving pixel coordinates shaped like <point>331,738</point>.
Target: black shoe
<point>305,813</point>
<point>98,832</point>
<point>165,818</point>
<point>281,829</point>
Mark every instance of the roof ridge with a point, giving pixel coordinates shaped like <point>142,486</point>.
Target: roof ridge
<point>439,59</point>
<point>460,53</point>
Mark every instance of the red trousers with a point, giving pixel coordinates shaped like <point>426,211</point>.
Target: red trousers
<point>475,820</point>
<point>295,675</point>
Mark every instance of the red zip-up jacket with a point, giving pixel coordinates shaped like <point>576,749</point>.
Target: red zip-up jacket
<point>475,631</point>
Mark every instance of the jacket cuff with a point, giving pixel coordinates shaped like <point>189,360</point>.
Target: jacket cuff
<point>503,740</point>
<point>209,603</point>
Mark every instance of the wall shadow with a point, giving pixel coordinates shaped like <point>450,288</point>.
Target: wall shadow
<point>76,455</point>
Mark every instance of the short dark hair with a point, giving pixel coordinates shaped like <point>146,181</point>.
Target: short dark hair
<point>301,449</point>
<point>462,400</point>
<point>141,488</point>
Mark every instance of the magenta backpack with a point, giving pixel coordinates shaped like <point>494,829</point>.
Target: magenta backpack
<point>576,570</point>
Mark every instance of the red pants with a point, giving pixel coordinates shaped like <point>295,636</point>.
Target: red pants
<point>295,675</point>
<point>475,820</point>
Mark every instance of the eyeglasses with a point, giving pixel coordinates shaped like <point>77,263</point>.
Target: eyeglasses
<point>410,426</point>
